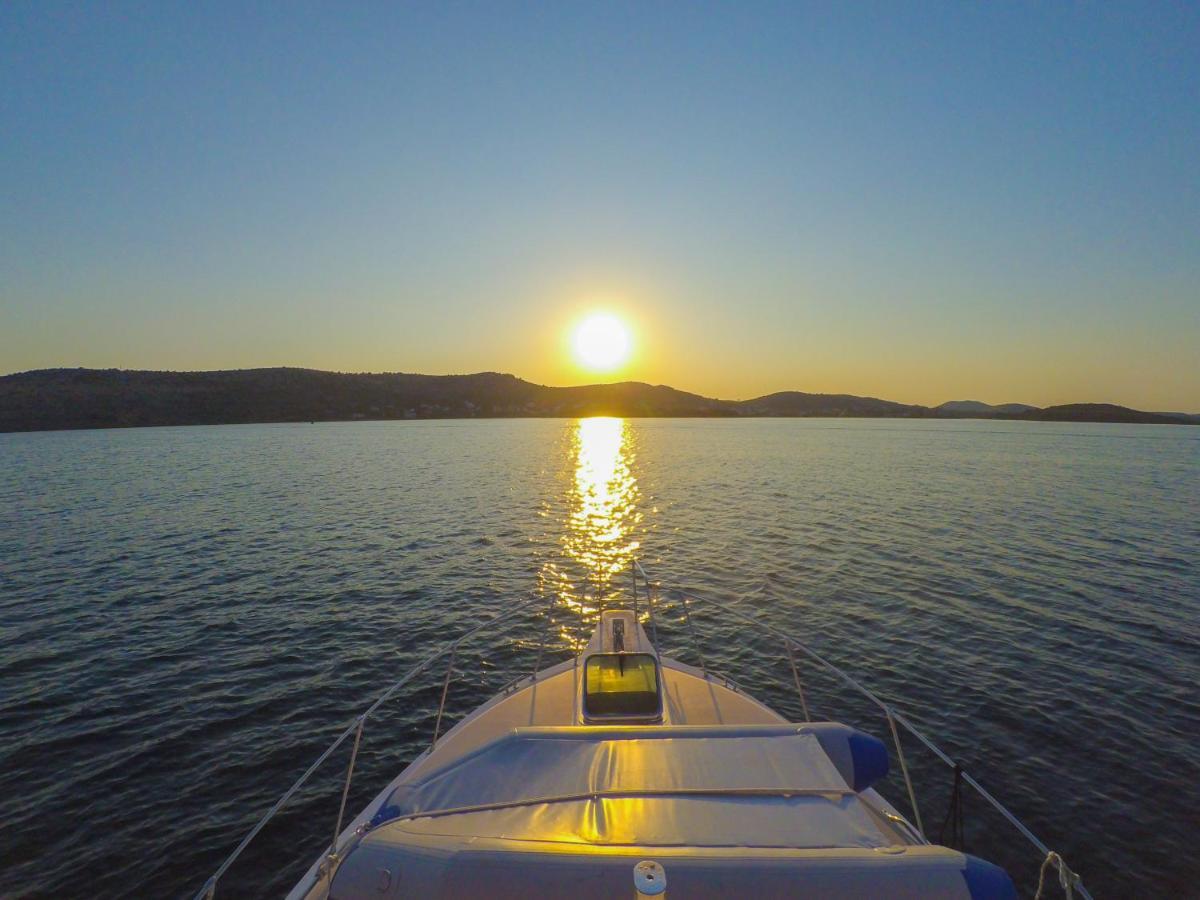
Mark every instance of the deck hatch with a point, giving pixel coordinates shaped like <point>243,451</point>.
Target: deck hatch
<point>620,685</point>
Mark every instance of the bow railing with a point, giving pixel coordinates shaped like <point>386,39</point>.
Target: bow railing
<point>653,590</point>
<point>355,728</point>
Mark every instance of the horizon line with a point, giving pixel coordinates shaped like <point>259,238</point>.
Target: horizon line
<point>592,384</point>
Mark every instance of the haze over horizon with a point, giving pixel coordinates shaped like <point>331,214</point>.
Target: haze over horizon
<point>922,205</point>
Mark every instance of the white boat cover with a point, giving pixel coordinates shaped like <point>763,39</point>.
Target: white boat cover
<point>698,786</point>
<point>763,811</point>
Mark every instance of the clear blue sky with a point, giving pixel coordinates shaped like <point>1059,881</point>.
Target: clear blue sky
<point>915,201</point>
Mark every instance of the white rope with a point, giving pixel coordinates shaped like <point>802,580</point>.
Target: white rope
<point>1067,879</point>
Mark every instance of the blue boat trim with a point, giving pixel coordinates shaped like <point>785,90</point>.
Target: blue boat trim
<point>870,758</point>
<point>986,881</point>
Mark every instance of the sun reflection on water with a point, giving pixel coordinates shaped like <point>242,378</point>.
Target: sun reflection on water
<point>598,539</point>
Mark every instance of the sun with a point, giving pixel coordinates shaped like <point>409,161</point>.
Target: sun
<point>601,342</point>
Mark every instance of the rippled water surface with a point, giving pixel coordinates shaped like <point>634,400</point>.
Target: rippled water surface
<point>190,615</point>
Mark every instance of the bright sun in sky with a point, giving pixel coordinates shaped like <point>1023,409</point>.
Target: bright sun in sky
<point>601,342</point>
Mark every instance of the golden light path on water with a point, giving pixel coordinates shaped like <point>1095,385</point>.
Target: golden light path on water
<point>602,515</point>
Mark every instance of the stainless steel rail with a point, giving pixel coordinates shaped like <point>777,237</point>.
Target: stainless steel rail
<point>1068,878</point>
<point>356,728</point>
<point>652,593</point>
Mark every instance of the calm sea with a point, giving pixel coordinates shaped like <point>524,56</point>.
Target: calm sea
<point>189,615</point>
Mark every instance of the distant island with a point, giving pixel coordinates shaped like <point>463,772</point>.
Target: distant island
<point>113,398</point>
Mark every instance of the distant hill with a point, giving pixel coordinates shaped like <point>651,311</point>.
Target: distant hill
<point>794,403</point>
<point>91,398</point>
<point>1186,418</point>
<point>1096,412</point>
<point>113,398</point>
<point>970,408</point>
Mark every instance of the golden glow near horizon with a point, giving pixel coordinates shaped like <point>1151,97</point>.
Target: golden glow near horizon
<point>601,342</point>
<point>602,515</point>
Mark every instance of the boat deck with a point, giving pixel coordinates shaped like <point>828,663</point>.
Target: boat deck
<point>530,796</point>
<point>552,698</point>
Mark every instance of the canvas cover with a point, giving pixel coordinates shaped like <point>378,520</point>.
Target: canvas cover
<point>737,786</point>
